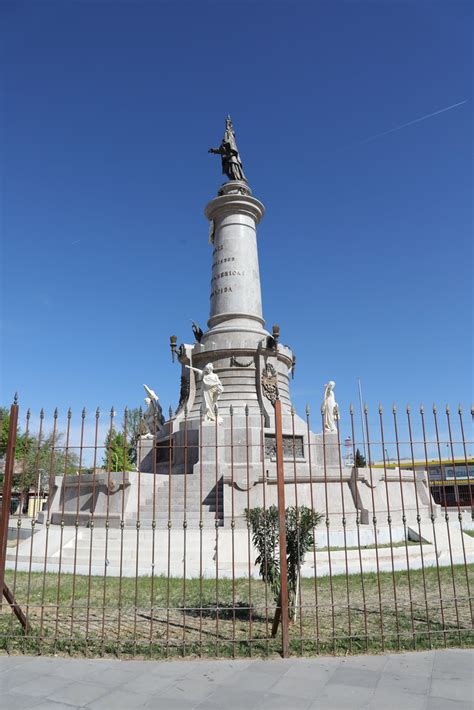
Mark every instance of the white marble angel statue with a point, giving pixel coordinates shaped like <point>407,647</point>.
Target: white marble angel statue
<point>153,416</point>
<point>329,407</point>
<point>211,389</point>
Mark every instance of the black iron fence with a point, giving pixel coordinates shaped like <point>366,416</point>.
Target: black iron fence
<point>237,536</point>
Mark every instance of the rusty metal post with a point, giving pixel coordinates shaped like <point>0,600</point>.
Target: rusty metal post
<point>283,606</point>
<point>7,492</point>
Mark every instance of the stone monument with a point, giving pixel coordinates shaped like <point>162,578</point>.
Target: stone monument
<point>215,456</point>
<point>238,363</point>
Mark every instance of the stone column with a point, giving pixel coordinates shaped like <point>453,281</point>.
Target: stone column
<point>236,300</point>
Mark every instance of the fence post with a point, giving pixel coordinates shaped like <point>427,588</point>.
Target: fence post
<point>7,492</point>
<point>282,531</point>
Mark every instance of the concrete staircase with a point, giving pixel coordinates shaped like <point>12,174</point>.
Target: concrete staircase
<point>178,499</point>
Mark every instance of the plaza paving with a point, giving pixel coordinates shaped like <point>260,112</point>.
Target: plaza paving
<point>429,680</point>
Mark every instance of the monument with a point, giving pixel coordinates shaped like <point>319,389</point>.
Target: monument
<point>230,378</point>
<point>200,469</point>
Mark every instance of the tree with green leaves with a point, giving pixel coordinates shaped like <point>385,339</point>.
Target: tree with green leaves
<point>22,441</point>
<point>299,524</point>
<point>135,428</point>
<point>118,453</point>
<point>36,458</point>
<point>360,461</point>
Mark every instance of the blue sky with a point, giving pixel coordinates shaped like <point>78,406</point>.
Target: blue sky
<point>108,110</point>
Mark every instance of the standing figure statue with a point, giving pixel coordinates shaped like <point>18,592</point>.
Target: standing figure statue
<point>153,416</point>
<point>231,163</point>
<point>211,388</point>
<point>329,407</point>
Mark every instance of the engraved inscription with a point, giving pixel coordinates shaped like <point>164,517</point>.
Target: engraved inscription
<point>217,291</point>
<point>292,447</point>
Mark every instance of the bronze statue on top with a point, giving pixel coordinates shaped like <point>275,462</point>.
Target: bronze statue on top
<point>231,163</point>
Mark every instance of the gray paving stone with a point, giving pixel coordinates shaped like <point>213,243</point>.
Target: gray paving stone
<point>272,666</point>
<point>301,668</point>
<point>382,700</point>
<point>52,705</point>
<point>404,682</point>
<point>119,699</point>
<point>348,675</point>
<point>16,701</point>
<point>149,683</point>
<point>252,680</point>
<point>169,704</point>
<point>40,686</point>
<point>452,689</point>
<point>190,689</point>
<point>414,663</point>
<point>443,704</point>
<point>77,693</point>
<point>284,702</point>
<point>370,663</point>
<point>233,699</point>
<point>113,676</point>
<point>336,697</point>
<point>300,687</point>
<point>15,678</point>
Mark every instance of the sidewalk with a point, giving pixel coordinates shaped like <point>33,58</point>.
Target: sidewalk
<point>428,680</point>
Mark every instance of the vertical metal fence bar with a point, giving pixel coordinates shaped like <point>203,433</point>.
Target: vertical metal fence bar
<point>108,454</point>
<point>91,525</point>
<point>405,528</point>
<point>62,523</point>
<point>389,523</point>
<point>344,531</point>
<point>249,541</point>
<point>296,601</point>
<point>153,525</point>
<point>264,502</point>
<point>374,522</point>
<point>76,533</point>
<point>138,537</point>
<point>432,516</point>
<point>461,533</point>
<point>282,530</point>
<point>185,526</point>
<point>39,443</point>
<point>358,505</point>
<point>170,523</point>
<point>311,493</point>
<point>201,524</point>
<point>328,534</point>
<point>7,491</point>
<point>47,526</point>
<point>216,522</point>
<point>463,439</point>
<point>232,525</point>
<point>124,457</point>
<point>418,519</point>
<point>20,516</point>
<point>448,531</point>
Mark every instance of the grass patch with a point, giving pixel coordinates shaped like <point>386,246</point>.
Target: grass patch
<point>160,617</point>
<point>469,532</point>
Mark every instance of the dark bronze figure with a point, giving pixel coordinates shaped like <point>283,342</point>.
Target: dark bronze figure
<point>231,163</point>
<point>197,332</point>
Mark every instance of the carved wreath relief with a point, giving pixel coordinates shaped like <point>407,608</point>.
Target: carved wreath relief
<point>270,383</point>
<point>184,392</point>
